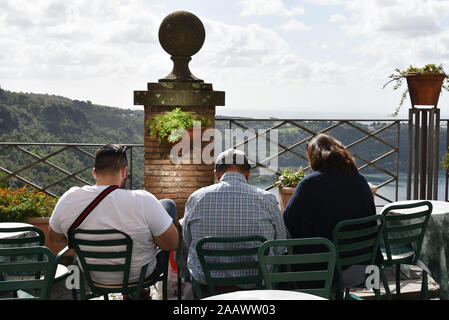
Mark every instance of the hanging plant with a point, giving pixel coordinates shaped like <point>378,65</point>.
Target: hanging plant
<point>429,74</point>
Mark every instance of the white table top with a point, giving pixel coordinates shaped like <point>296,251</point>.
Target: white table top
<point>265,295</point>
<point>438,207</point>
<point>7,235</point>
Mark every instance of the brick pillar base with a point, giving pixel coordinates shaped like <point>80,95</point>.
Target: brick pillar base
<point>165,179</point>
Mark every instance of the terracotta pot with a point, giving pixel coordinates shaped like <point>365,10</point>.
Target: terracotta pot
<point>285,193</point>
<point>42,223</point>
<point>425,89</point>
<point>190,132</point>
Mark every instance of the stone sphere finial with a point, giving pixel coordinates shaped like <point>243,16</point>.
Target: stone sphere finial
<point>182,35</point>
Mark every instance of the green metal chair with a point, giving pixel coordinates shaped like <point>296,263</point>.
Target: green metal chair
<point>357,243</point>
<point>30,279</point>
<point>327,256</point>
<point>101,248</point>
<point>30,236</point>
<point>402,239</point>
<point>228,255</point>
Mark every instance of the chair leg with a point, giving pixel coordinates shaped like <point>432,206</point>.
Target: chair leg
<point>398,281</point>
<point>347,294</point>
<point>74,294</point>
<point>197,294</point>
<point>377,293</point>
<point>82,288</point>
<point>164,287</point>
<point>179,286</point>
<point>385,283</point>
<point>424,286</point>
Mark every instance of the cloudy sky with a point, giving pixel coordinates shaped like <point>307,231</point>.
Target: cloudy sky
<point>279,58</point>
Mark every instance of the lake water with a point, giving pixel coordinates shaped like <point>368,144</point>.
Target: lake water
<point>389,191</point>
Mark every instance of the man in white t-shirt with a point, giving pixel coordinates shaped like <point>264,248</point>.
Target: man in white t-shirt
<point>138,213</point>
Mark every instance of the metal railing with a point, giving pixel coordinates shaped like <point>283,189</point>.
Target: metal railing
<point>362,133</point>
<point>359,135</point>
<point>34,151</point>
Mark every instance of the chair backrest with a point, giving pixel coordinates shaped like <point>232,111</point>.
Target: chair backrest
<point>13,263</point>
<point>29,235</point>
<point>406,230</point>
<point>323,274</point>
<point>357,242</point>
<point>111,249</point>
<point>236,257</point>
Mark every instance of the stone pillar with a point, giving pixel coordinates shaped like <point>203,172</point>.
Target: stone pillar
<point>181,34</point>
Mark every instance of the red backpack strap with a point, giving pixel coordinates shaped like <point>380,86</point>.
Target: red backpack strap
<point>89,209</point>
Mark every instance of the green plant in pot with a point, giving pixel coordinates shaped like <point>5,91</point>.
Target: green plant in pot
<point>424,84</point>
<point>287,182</point>
<point>445,161</point>
<point>170,126</point>
<point>30,206</point>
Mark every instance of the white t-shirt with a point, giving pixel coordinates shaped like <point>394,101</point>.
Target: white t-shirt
<point>137,213</point>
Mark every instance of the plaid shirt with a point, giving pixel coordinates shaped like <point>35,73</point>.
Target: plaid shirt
<point>231,207</point>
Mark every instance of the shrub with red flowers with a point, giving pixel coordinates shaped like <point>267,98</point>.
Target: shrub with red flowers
<point>16,205</point>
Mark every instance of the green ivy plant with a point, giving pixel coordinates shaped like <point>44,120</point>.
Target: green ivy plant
<point>172,124</point>
<point>398,77</point>
<point>290,177</point>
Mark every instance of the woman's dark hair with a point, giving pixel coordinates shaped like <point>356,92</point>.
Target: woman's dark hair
<point>110,158</point>
<point>326,153</point>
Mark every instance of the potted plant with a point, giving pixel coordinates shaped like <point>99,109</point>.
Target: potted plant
<point>445,161</point>
<point>424,84</point>
<point>29,206</point>
<point>169,127</point>
<point>287,182</point>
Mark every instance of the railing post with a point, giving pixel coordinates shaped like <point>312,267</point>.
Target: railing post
<point>131,167</point>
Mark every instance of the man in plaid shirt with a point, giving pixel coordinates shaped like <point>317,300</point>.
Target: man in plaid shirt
<point>232,207</point>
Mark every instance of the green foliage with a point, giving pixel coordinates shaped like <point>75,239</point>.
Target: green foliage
<point>399,75</point>
<point>16,205</point>
<point>172,124</point>
<point>445,161</point>
<point>28,117</point>
<point>290,177</point>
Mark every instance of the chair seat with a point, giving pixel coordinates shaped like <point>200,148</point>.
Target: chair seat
<point>152,276</point>
<point>404,252</point>
<point>114,286</point>
<point>400,256</point>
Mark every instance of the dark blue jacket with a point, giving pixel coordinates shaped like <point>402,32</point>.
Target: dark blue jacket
<point>323,199</point>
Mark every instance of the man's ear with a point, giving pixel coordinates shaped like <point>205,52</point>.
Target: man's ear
<point>218,175</point>
<point>247,174</point>
<point>94,173</point>
<point>124,171</point>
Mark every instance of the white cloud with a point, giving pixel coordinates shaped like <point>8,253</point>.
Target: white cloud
<point>320,45</point>
<point>326,2</point>
<point>268,8</point>
<point>411,18</point>
<point>337,18</point>
<point>295,25</point>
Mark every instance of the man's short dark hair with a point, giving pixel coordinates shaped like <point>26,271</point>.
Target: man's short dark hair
<point>110,159</point>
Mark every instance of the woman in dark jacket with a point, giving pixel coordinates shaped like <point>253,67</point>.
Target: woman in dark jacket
<point>334,192</point>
